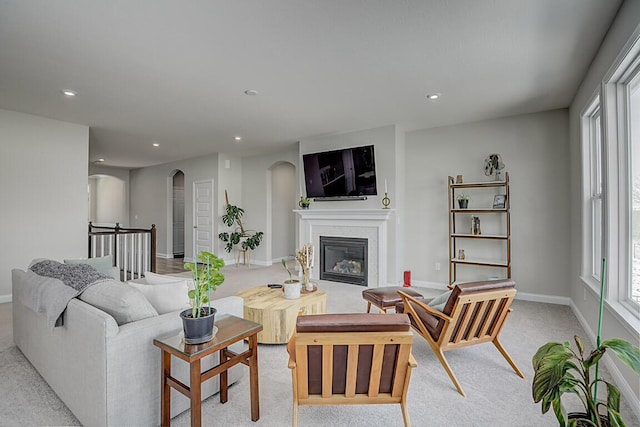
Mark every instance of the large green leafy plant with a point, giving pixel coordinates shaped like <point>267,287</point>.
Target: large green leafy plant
<point>207,278</point>
<point>559,369</point>
<point>233,215</point>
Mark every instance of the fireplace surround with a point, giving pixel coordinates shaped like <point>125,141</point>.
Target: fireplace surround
<point>344,259</point>
<point>370,224</point>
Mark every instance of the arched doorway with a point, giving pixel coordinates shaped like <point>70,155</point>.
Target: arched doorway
<point>283,201</point>
<point>177,210</point>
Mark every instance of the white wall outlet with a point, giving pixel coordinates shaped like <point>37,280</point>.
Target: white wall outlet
<point>437,266</point>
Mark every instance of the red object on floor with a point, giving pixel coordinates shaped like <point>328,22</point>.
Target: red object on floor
<point>407,279</point>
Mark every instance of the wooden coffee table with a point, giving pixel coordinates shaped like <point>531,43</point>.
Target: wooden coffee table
<point>277,314</point>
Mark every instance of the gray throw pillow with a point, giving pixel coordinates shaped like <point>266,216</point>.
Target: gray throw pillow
<point>103,265</point>
<point>439,302</point>
<point>124,303</point>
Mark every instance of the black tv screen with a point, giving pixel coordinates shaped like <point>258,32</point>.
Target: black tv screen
<point>350,172</point>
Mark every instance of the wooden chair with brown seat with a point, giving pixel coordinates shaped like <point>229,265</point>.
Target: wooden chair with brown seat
<point>351,359</point>
<point>475,313</point>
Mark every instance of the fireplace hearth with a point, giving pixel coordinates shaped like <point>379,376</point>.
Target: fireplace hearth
<point>343,259</point>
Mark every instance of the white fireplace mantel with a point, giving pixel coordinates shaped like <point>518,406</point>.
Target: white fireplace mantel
<point>368,223</point>
<point>347,214</point>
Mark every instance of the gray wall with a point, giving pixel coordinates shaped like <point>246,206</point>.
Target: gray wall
<point>43,184</point>
<point>534,148</point>
<point>120,173</point>
<point>109,204</point>
<point>584,298</point>
<point>283,201</point>
<point>151,191</point>
<point>256,198</point>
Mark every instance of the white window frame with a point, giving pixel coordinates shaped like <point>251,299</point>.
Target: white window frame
<point>617,142</point>
<point>593,189</point>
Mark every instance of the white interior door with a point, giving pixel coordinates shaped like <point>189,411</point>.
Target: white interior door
<point>202,217</point>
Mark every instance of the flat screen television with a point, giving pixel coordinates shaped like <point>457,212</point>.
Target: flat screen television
<point>346,173</point>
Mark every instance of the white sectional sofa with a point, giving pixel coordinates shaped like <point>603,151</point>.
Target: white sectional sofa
<point>109,375</point>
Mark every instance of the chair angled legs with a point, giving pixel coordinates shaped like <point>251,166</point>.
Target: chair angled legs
<point>474,314</point>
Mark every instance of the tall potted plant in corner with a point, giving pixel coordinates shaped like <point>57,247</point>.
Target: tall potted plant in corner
<point>197,321</point>
<point>233,215</point>
<point>558,369</point>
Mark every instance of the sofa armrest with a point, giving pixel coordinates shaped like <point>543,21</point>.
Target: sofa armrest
<point>132,356</point>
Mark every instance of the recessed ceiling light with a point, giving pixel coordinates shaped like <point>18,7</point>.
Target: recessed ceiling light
<point>251,92</point>
<point>69,93</point>
<point>238,138</point>
<point>434,96</point>
<point>155,144</point>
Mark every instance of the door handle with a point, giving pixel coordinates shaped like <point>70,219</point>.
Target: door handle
<point>195,226</point>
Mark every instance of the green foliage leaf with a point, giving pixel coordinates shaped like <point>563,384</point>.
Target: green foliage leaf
<point>615,420</point>
<point>233,214</point>
<point>613,397</point>
<point>579,344</point>
<point>626,352</point>
<point>559,370</point>
<point>561,413</point>
<point>594,358</point>
<point>207,278</point>
<point>253,241</point>
<point>284,264</point>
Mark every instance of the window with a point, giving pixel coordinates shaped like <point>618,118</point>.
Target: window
<point>621,146</point>
<point>592,145</point>
<point>633,94</point>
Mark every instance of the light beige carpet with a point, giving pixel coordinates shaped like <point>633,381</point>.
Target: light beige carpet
<point>496,395</point>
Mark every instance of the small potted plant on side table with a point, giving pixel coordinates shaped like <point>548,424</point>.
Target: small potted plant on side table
<point>197,322</point>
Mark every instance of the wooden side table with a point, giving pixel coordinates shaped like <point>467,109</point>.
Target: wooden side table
<point>231,329</point>
<point>278,314</point>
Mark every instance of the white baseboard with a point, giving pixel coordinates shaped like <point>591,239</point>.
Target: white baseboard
<point>165,256</point>
<point>6,298</point>
<point>549,299</point>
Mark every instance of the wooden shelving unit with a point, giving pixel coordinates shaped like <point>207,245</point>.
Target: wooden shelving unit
<point>457,215</point>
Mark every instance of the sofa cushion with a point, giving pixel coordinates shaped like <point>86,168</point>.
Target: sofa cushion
<point>103,265</point>
<point>159,279</point>
<point>165,297</point>
<point>124,303</point>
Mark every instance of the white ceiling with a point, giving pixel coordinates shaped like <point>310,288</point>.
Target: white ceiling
<point>175,71</point>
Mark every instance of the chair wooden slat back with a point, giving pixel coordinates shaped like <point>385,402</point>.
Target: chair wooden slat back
<point>353,367</point>
<point>475,314</point>
<point>479,318</point>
